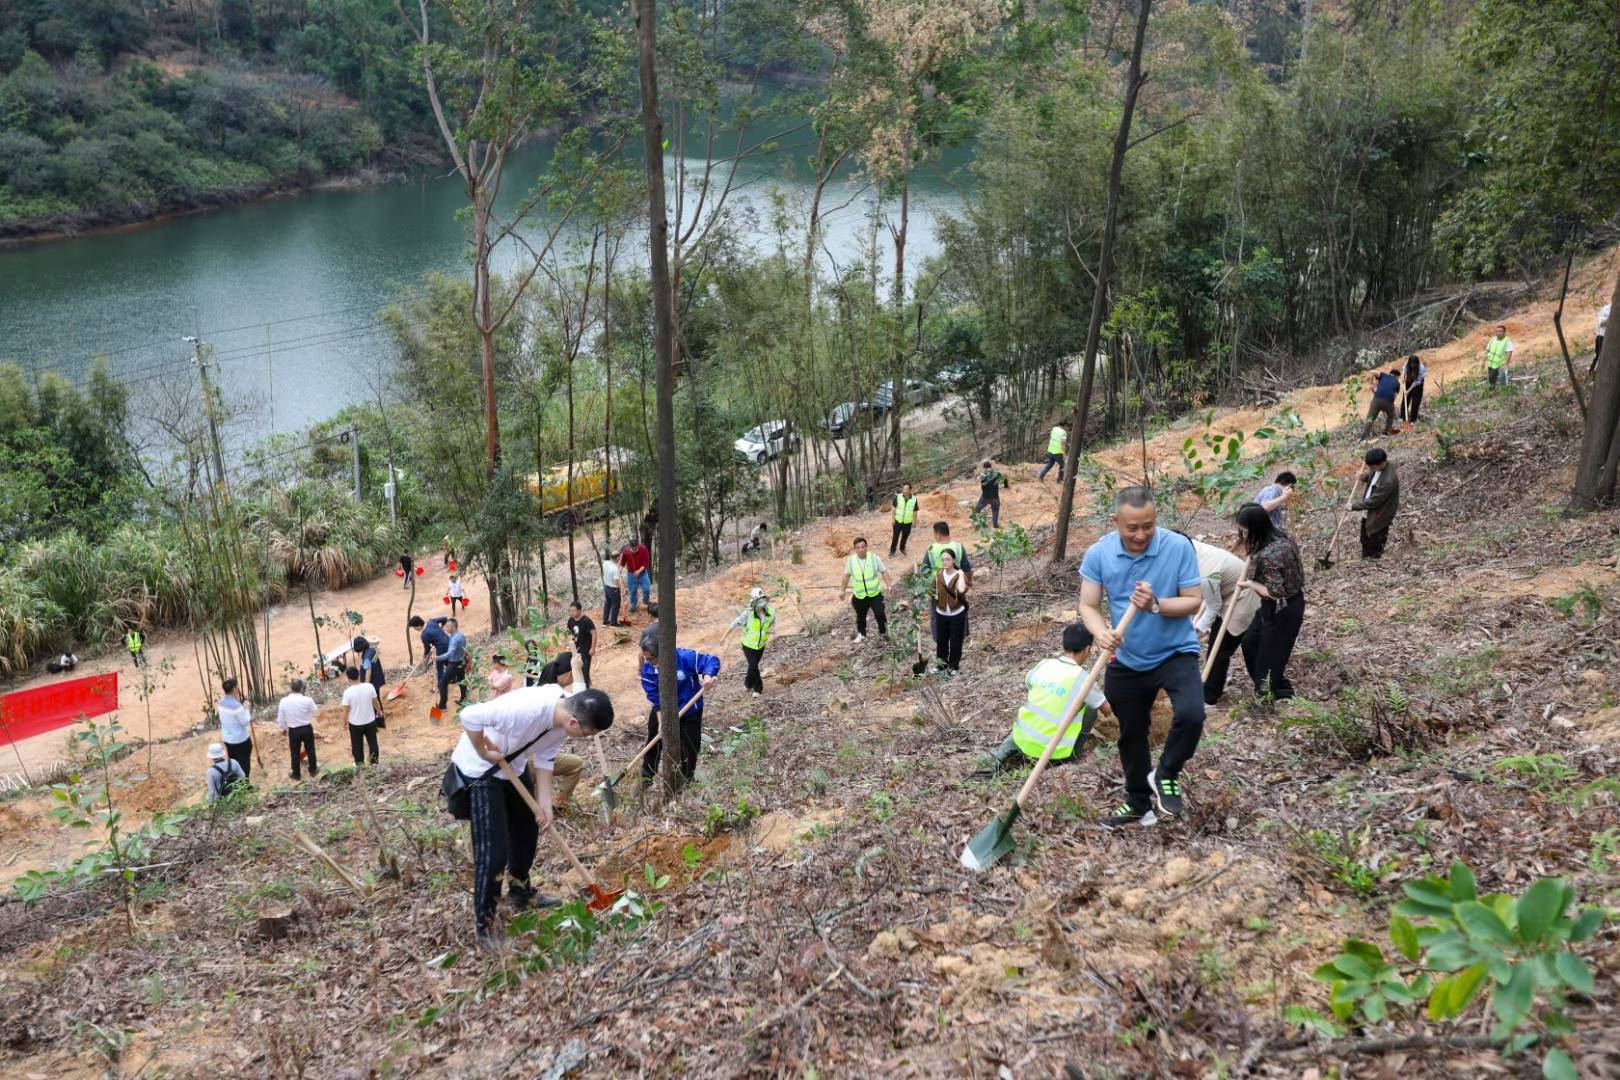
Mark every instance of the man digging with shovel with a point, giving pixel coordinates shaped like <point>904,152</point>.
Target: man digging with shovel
<point>1155,571</point>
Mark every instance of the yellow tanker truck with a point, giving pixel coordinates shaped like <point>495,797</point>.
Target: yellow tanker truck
<point>593,484</point>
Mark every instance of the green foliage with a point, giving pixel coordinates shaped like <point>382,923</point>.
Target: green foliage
<point>1452,946</point>
<point>1584,604</point>
<point>719,818</point>
<point>1344,854</point>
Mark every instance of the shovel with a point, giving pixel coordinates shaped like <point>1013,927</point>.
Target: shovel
<point>995,839</point>
<point>605,791</point>
<point>922,664</point>
<point>601,899</point>
<point>1325,562</point>
<point>398,691</point>
<point>1226,620</point>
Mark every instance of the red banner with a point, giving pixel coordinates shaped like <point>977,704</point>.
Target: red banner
<point>27,713</point>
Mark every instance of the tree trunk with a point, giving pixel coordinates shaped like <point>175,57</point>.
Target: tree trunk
<point>1099,299</point>
<point>664,358</point>
<point>899,363</point>
<point>1600,446</point>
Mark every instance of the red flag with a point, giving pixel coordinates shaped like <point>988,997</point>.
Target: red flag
<point>26,713</point>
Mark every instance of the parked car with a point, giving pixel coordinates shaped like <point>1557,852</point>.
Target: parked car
<point>918,392</point>
<point>842,421</point>
<point>767,441</point>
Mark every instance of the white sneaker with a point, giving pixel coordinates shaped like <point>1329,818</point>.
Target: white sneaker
<point>857,639</point>
<point>755,693</point>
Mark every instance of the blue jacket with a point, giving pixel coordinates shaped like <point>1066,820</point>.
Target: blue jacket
<point>456,648</point>
<point>688,666</point>
<point>434,637</point>
<point>1388,386</point>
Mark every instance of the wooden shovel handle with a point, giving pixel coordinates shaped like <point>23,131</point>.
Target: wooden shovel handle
<point>1226,618</point>
<point>1076,701</point>
<point>523,792</point>
<point>654,741</point>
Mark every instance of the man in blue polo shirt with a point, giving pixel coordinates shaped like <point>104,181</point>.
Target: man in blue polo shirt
<point>1156,570</point>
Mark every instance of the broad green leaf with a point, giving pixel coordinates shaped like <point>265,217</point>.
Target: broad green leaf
<point>1310,1018</point>
<point>1574,972</point>
<point>1453,993</point>
<point>1373,1007</point>
<point>1463,885</point>
<point>1328,973</point>
<point>1353,966</point>
<point>1404,936</point>
<point>1586,924</point>
<point>1482,922</point>
<point>1512,999</point>
<point>1539,908</point>
<point>1366,950</point>
<point>1557,1066</point>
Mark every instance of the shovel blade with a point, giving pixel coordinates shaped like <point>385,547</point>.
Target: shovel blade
<point>919,667</point>
<point>992,842</point>
<point>601,899</point>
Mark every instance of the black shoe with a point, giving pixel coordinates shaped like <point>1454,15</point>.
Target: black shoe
<point>1166,795</point>
<point>1128,815</point>
<point>490,942</point>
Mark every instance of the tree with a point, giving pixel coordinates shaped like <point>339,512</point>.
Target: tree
<point>1099,298</point>
<point>1600,446</point>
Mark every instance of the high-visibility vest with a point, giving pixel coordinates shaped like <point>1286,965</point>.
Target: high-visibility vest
<point>1496,352</point>
<point>132,641</point>
<point>864,576</point>
<point>951,546</point>
<point>1057,441</point>
<point>905,510</point>
<point>758,630</point>
<point>1050,684</point>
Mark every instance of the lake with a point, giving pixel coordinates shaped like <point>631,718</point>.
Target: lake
<point>287,291</point>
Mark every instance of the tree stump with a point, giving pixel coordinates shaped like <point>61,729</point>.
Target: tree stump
<point>274,922</point>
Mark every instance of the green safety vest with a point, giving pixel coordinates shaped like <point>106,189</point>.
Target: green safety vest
<point>864,576</point>
<point>1056,442</point>
<point>905,510</point>
<point>1496,352</point>
<point>758,631</point>
<point>132,641</point>
<point>951,546</point>
<point>1050,684</point>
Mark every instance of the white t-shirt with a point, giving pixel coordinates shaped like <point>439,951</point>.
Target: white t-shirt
<point>1603,319</point>
<point>610,574</point>
<point>457,590</point>
<point>361,701</point>
<point>509,721</point>
<point>234,721</point>
<point>296,710</point>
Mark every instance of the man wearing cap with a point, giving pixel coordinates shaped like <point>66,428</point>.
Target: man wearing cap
<point>223,773</point>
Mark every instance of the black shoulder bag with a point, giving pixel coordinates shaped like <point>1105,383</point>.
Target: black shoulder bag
<point>457,789</point>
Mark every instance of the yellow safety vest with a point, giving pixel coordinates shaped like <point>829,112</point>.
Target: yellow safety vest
<point>951,546</point>
<point>1056,442</point>
<point>1050,684</point>
<point>864,577</point>
<point>905,510</point>
<point>1496,352</point>
<point>132,641</point>
<point>758,631</point>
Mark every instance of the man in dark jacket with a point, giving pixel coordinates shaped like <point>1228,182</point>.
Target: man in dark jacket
<point>1386,386</point>
<point>693,671</point>
<point>1377,495</point>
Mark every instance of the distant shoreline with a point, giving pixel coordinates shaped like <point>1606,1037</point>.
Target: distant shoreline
<point>61,227</point>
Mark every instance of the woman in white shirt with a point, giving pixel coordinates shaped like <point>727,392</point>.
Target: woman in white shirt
<point>950,608</point>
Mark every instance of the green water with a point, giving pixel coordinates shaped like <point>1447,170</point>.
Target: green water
<point>287,291</point>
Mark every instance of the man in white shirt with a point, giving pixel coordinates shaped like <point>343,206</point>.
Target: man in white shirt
<point>361,701</point>
<point>524,727</point>
<point>1221,571</point>
<point>236,726</point>
<point>611,576</point>
<point>296,716</point>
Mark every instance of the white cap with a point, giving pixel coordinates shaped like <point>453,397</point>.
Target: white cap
<point>756,593</point>
<point>216,752</point>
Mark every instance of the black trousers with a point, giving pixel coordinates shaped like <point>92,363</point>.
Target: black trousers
<point>1413,403</point>
<point>1495,375</point>
<point>1215,685</point>
<point>454,671</point>
<point>1051,460</point>
<point>950,631</point>
<point>301,738</point>
<point>610,605</point>
<point>1373,543</point>
<point>585,668</point>
<point>994,503</point>
<point>504,836</point>
<point>898,536</point>
<point>242,754</point>
<point>1597,352</point>
<point>752,680</point>
<point>691,743</point>
<point>1131,693</point>
<point>363,737</point>
<point>1274,631</point>
<point>875,605</point>
<point>138,656</point>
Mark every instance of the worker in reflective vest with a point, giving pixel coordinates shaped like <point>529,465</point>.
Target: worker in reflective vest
<point>1057,444</point>
<point>1049,684</point>
<point>1498,351</point>
<point>865,578</point>
<point>133,642</point>
<point>756,622</point>
<point>905,513</point>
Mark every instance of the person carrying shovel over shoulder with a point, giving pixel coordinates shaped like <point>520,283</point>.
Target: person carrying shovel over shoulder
<point>693,671</point>
<point>1050,683</point>
<point>1155,570</point>
<point>527,728</point>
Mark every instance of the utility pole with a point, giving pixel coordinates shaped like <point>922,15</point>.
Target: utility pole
<point>390,490</point>
<point>352,437</point>
<point>209,402</point>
